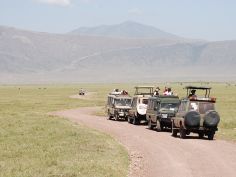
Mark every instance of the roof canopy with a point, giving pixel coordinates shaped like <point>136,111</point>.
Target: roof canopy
<point>190,88</point>
<point>144,90</point>
<point>197,87</point>
<point>144,87</point>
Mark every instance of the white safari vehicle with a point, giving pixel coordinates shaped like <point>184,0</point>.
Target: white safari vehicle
<point>137,113</point>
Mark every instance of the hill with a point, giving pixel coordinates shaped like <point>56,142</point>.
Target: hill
<point>34,57</point>
<point>126,29</point>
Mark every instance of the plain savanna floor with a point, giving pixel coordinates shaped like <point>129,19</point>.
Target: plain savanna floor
<point>34,143</point>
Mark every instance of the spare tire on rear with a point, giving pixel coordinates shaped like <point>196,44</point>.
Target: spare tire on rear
<point>192,119</point>
<point>211,119</point>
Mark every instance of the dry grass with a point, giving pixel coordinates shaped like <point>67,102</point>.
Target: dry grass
<point>35,144</point>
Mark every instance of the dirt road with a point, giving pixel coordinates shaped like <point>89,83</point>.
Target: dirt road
<point>158,154</point>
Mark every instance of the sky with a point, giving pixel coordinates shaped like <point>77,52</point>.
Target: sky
<point>201,19</point>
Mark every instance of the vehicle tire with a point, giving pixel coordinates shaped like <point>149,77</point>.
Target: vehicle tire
<point>130,120</point>
<point>116,117</point>
<point>182,133</point>
<point>174,131</point>
<point>192,119</point>
<point>201,135</point>
<point>109,116</point>
<point>150,126</point>
<point>135,121</point>
<point>211,119</point>
<point>211,135</point>
<point>161,127</point>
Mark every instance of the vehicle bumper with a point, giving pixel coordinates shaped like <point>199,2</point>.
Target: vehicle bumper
<point>141,117</point>
<point>166,122</point>
<point>122,114</point>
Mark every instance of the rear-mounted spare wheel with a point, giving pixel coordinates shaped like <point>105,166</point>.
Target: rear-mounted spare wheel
<point>192,119</point>
<point>142,108</point>
<point>211,119</point>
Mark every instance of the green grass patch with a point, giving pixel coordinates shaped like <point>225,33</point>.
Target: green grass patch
<point>35,144</point>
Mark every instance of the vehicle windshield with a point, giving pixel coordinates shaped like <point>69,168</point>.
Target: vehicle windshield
<point>170,106</point>
<point>122,102</point>
<point>201,107</point>
<point>143,101</point>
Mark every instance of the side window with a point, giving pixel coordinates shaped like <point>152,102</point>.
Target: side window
<point>182,106</point>
<point>155,104</point>
<point>112,100</point>
<point>134,102</point>
<point>150,102</point>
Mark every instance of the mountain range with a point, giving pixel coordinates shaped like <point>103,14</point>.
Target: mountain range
<point>126,29</point>
<point>127,52</point>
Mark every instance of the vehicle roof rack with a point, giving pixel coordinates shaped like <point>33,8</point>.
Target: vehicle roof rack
<point>144,87</point>
<point>149,90</point>
<point>207,90</point>
<point>197,87</point>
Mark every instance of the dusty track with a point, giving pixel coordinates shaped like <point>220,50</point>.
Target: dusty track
<point>158,154</point>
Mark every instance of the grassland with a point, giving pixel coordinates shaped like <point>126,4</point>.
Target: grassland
<point>35,144</point>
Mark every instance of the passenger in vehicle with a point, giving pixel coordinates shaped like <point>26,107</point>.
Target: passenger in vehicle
<point>124,92</point>
<point>165,91</point>
<point>193,93</point>
<point>156,92</point>
<point>116,90</point>
<point>169,92</point>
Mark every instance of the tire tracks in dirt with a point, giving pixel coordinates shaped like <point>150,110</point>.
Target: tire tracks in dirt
<point>158,154</point>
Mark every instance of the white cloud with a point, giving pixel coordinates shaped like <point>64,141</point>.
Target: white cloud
<point>56,2</point>
<point>135,11</point>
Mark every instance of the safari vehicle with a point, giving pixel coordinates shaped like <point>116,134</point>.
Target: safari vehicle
<point>160,110</point>
<point>118,105</point>
<point>196,114</point>
<point>137,113</point>
<point>81,92</point>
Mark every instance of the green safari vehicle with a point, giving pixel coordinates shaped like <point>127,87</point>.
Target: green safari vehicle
<point>160,111</point>
<point>196,114</point>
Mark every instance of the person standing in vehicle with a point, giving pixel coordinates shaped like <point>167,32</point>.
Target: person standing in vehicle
<point>193,93</point>
<point>169,92</point>
<point>156,92</point>
<point>165,91</point>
